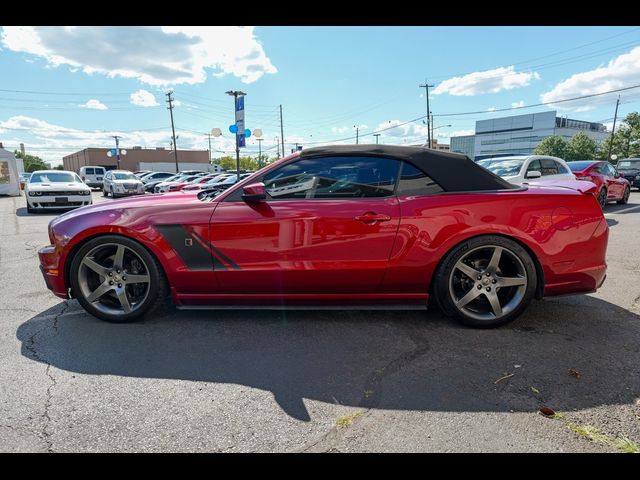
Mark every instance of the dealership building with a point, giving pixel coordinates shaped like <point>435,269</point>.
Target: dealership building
<point>521,134</point>
<point>137,158</point>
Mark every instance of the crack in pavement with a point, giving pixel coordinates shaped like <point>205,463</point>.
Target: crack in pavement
<point>373,388</point>
<point>30,346</point>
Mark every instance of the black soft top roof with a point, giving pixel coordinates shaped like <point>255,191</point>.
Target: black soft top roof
<point>452,171</point>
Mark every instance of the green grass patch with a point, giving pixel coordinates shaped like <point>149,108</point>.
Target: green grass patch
<point>347,420</point>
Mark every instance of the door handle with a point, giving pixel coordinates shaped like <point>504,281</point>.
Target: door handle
<point>372,217</point>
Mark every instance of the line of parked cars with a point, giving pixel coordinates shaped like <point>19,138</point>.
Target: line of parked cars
<point>611,184</point>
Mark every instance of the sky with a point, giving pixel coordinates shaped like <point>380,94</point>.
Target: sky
<point>63,89</point>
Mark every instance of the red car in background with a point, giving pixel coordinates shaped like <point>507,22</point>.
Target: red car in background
<point>350,226</point>
<point>611,185</point>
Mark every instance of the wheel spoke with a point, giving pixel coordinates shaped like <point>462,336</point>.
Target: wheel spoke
<point>470,272</point>
<point>495,303</point>
<point>495,259</point>
<point>118,259</point>
<point>137,278</point>
<point>511,281</point>
<point>469,296</point>
<point>98,292</point>
<point>95,266</point>
<point>124,300</point>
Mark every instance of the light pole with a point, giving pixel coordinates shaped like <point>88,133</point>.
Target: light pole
<point>376,135</point>
<point>239,119</point>
<point>260,151</point>
<point>357,132</point>
<point>426,87</point>
<point>435,128</point>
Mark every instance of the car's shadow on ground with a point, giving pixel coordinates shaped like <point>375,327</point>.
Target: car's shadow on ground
<point>22,212</point>
<point>391,360</point>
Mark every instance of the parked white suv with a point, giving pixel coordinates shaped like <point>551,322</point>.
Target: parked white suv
<point>55,189</point>
<point>523,169</point>
<point>119,183</point>
<point>92,176</point>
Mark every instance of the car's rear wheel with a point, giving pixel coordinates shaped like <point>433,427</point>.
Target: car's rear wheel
<point>602,197</point>
<point>486,281</point>
<point>104,192</point>
<point>625,197</point>
<point>116,279</point>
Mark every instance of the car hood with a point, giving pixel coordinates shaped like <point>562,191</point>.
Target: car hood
<point>134,180</point>
<point>34,187</point>
<point>630,171</point>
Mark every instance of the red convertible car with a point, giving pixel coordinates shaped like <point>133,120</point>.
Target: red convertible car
<point>360,226</point>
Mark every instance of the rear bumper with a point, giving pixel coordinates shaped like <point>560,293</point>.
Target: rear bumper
<point>586,281</point>
<point>52,272</point>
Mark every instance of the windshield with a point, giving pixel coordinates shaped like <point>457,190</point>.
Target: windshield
<point>503,168</point>
<point>124,176</point>
<point>629,165</point>
<point>54,177</point>
<point>577,166</point>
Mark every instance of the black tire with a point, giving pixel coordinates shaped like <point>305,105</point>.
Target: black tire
<point>104,192</point>
<point>157,285</point>
<point>602,197</point>
<point>516,298</point>
<point>625,197</point>
<point>113,194</point>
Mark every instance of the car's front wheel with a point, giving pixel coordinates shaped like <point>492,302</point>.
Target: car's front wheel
<point>116,279</point>
<point>625,196</point>
<point>486,281</point>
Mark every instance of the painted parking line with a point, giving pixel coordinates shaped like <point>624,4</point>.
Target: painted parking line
<point>623,210</point>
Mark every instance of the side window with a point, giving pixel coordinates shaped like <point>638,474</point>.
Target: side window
<point>414,181</point>
<point>548,167</point>
<point>99,171</point>
<point>561,168</point>
<point>609,169</point>
<point>333,178</point>
<point>534,167</point>
<point>89,171</point>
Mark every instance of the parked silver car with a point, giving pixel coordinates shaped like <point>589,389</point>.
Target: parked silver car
<point>120,183</point>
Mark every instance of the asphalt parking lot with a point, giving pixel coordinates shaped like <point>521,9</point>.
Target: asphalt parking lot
<point>317,381</point>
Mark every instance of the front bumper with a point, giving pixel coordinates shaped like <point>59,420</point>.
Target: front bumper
<point>52,272</point>
<point>49,201</point>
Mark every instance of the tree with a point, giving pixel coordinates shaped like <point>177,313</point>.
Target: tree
<point>246,163</point>
<point>554,146</point>
<point>31,162</point>
<point>626,141</point>
<point>580,147</point>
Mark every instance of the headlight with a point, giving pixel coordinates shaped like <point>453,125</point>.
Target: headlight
<point>85,192</point>
<point>35,194</point>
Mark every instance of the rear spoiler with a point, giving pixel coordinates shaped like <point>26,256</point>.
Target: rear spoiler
<point>581,186</point>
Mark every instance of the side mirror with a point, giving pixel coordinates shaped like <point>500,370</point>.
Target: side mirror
<point>533,174</point>
<point>254,192</point>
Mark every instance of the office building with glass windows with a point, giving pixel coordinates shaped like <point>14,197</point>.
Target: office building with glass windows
<point>521,134</point>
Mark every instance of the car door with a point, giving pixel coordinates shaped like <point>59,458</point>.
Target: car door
<point>327,226</point>
<point>549,169</point>
<point>616,184</point>
<point>106,183</point>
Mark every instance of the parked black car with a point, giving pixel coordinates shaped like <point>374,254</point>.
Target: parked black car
<point>629,168</point>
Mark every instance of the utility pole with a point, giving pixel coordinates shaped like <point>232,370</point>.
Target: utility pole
<point>209,135</point>
<point>281,131</point>
<point>117,138</point>
<point>277,139</point>
<point>426,87</point>
<point>376,135</point>
<point>173,128</point>
<point>260,150</point>
<point>357,132</point>
<point>613,129</point>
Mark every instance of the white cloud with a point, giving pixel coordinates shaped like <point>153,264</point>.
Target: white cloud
<point>93,104</point>
<point>153,55</point>
<point>52,142</point>
<point>340,130</point>
<point>620,72</point>
<point>518,104</point>
<point>409,130</point>
<point>488,81</point>
<point>143,98</point>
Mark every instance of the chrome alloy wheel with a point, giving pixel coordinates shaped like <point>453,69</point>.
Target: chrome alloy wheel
<point>114,279</point>
<point>488,282</point>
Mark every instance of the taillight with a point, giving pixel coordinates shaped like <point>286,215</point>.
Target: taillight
<point>584,177</point>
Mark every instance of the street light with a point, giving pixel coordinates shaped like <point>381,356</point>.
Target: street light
<point>239,119</point>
